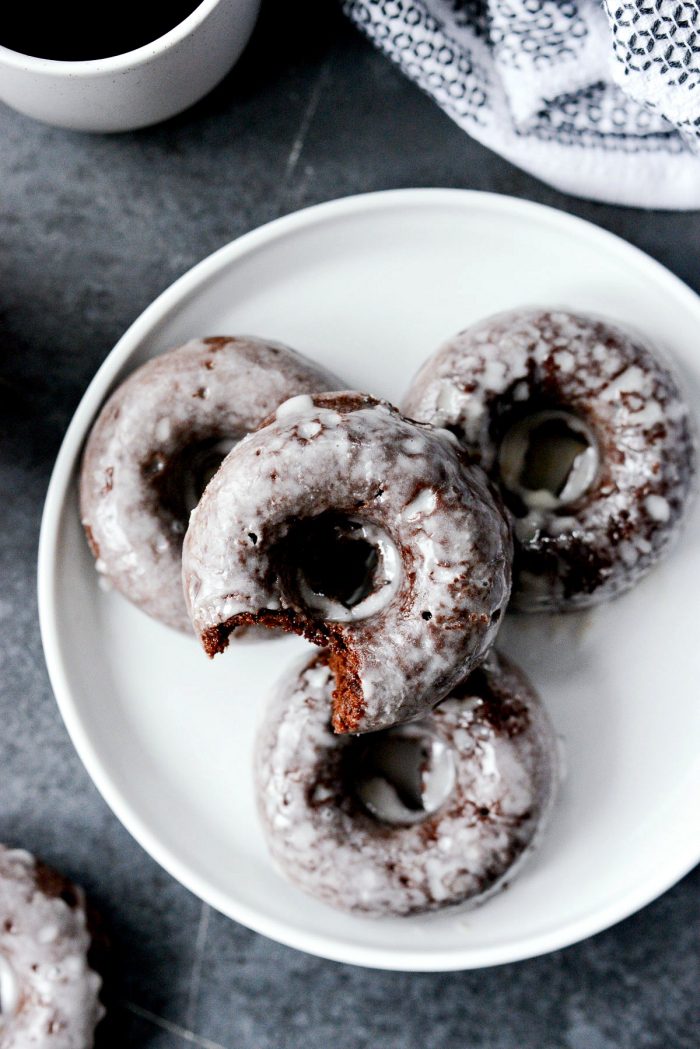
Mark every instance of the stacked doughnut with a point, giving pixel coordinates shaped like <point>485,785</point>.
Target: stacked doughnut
<point>408,766</point>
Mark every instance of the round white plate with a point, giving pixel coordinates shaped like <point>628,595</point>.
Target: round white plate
<point>370,286</point>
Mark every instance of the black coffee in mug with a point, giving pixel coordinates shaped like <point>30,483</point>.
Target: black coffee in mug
<point>78,31</point>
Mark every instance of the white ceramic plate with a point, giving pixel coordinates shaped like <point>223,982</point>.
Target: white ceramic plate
<point>370,286</point>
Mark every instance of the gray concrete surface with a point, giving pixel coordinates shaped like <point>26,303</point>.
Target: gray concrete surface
<point>91,229</point>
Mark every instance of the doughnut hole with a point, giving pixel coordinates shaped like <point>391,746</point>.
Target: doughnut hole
<point>179,479</point>
<point>9,991</point>
<point>338,567</point>
<point>547,461</point>
<point>400,776</point>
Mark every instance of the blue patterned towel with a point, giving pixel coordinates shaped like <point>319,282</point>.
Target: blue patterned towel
<point>600,101</point>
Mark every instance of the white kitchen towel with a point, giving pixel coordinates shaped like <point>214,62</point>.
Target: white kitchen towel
<point>602,102</point>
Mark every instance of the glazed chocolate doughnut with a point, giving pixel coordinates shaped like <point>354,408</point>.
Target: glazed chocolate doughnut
<point>588,436</point>
<point>158,440</point>
<point>365,532</point>
<point>414,818</point>
<point>48,992</point>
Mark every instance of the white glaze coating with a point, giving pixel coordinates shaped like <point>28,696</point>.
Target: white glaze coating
<point>506,763</point>
<point>208,391</point>
<point>624,392</point>
<point>43,951</point>
<point>364,460</point>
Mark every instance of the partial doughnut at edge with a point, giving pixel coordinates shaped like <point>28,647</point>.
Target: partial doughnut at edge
<point>49,994</point>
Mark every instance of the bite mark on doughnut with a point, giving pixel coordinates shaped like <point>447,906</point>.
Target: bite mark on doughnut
<point>348,698</point>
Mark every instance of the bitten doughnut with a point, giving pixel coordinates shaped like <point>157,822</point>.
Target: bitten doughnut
<point>588,436</point>
<point>414,818</point>
<point>158,440</point>
<point>365,532</point>
<point>48,992</point>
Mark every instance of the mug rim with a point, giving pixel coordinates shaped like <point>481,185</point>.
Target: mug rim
<point>113,63</point>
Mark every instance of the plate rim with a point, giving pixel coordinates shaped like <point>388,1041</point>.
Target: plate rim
<point>147,322</point>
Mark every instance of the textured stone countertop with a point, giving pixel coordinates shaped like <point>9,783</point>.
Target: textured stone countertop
<point>92,228</point>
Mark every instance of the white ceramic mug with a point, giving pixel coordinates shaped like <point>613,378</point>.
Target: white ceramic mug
<point>140,87</point>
